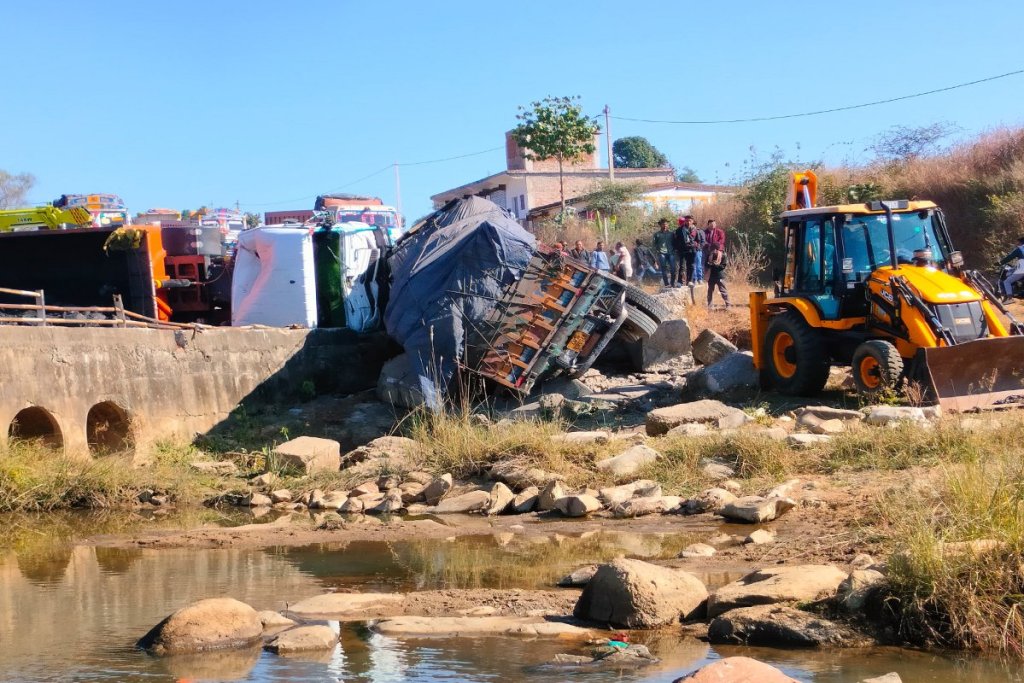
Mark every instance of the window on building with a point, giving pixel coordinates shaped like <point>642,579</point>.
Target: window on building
<point>522,202</point>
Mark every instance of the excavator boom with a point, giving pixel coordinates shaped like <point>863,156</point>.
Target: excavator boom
<point>47,217</point>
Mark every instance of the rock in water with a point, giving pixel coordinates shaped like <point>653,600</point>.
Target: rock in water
<point>310,454</point>
<point>549,495</point>
<point>303,639</point>
<point>525,500</point>
<point>794,583</point>
<point>756,510</point>
<point>737,670</point>
<point>780,626</point>
<point>635,594</point>
<point>474,501</point>
<point>500,498</point>
<point>577,506</point>
<point>212,624</point>
<point>438,489</point>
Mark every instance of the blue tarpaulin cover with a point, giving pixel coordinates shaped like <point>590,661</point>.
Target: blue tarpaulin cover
<point>446,278</point>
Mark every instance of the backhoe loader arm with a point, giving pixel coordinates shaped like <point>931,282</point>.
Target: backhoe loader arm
<point>48,217</point>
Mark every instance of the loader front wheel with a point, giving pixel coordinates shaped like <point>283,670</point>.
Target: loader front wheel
<point>877,367</point>
<point>796,362</point>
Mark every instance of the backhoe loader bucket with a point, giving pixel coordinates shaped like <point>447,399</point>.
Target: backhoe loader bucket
<point>977,374</point>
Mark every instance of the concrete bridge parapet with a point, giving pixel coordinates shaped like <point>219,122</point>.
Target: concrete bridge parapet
<point>90,389</point>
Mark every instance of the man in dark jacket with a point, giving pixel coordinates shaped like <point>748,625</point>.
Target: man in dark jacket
<point>665,252</point>
<point>579,253</point>
<point>689,240</point>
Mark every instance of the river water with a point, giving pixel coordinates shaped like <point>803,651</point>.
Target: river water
<point>71,611</point>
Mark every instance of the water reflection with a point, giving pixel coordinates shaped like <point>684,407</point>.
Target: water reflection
<point>72,612</point>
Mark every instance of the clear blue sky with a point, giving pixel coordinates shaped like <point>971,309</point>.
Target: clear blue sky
<point>270,103</point>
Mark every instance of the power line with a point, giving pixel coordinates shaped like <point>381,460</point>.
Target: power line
<point>833,110</point>
<point>461,156</point>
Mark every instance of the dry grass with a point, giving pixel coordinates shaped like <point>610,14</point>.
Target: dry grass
<point>972,598</point>
<point>36,478</point>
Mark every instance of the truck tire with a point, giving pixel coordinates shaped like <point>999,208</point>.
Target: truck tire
<point>795,360</point>
<point>638,320</point>
<point>640,299</point>
<point>876,367</point>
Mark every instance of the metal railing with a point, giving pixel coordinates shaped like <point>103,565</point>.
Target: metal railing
<point>115,316</point>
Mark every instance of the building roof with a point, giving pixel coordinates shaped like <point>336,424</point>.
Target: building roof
<point>483,183</point>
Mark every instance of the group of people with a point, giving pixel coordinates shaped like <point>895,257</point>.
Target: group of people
<point>685,254</point>
<point>680,256</point>
<point>619,261</point>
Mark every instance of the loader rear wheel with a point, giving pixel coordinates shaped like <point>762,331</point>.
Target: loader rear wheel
<point>877,366</point>
<point>796,362</point>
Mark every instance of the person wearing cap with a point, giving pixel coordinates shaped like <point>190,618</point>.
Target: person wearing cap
<point>665,252</point>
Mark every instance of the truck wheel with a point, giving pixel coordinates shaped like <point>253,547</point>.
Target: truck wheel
<point>877,366</point>
<point>795,360</point>
<point>639,319</point>
<point>640,299</point>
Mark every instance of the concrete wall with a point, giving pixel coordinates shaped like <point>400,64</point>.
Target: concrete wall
<point>171,384</point>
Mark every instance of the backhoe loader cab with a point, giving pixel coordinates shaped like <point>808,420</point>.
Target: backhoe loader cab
<point>879,287</point>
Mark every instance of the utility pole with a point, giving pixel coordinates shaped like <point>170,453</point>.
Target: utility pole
<point>608,141</point>
<point>238,206</point>
<point>398,191</point>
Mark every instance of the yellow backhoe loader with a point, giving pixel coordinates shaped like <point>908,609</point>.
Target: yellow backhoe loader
<point>879,287</point>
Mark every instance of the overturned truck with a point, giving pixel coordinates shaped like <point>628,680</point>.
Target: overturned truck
<point>471,291</point>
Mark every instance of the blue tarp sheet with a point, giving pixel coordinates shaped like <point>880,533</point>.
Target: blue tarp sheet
<point>446,278</point>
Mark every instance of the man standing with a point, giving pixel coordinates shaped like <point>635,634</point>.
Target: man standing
<point>1018,270</point>
<point>664,250</point>
<point>599,259</point>
<point>716,262</point>
<point>623,261</point>
<point>646,263</point>
<point>698,255</point>
<point>579,253</point>
<point>715,236</point>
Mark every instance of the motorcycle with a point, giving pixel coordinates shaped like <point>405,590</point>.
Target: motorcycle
<point>1018,286</point>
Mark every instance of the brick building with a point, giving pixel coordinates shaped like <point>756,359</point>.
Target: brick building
<point>525,184</point>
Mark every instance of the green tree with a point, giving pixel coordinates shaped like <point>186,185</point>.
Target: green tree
<point>14,188</point>
<point>687,175</point>
<point>555,128</point>
<point>252,220</point>
<point>637,152</point>
<point>609,197</point>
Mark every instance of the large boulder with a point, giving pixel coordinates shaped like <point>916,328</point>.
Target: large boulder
<point>310,454</point>
<point>519,476</point>
<point>549,496</point>
<point>628,461</point>
<point>577,505</point>
<point>661,420</point>
<point>671,340</point>
<point>635,594</point>
<point>438,489</point>
<point>649,505</point>
<point>303,639</point>
<point>710,347</point>
<point>500,498</point>
<point>474,501</point>
<point>780,626</point>
<point>525,500</point>
<point>613,495</point>
<point>794,583</point>
<point>212,624</point>
<point>756,510</point>
<point>737,670</point>
<point>735,371</point>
